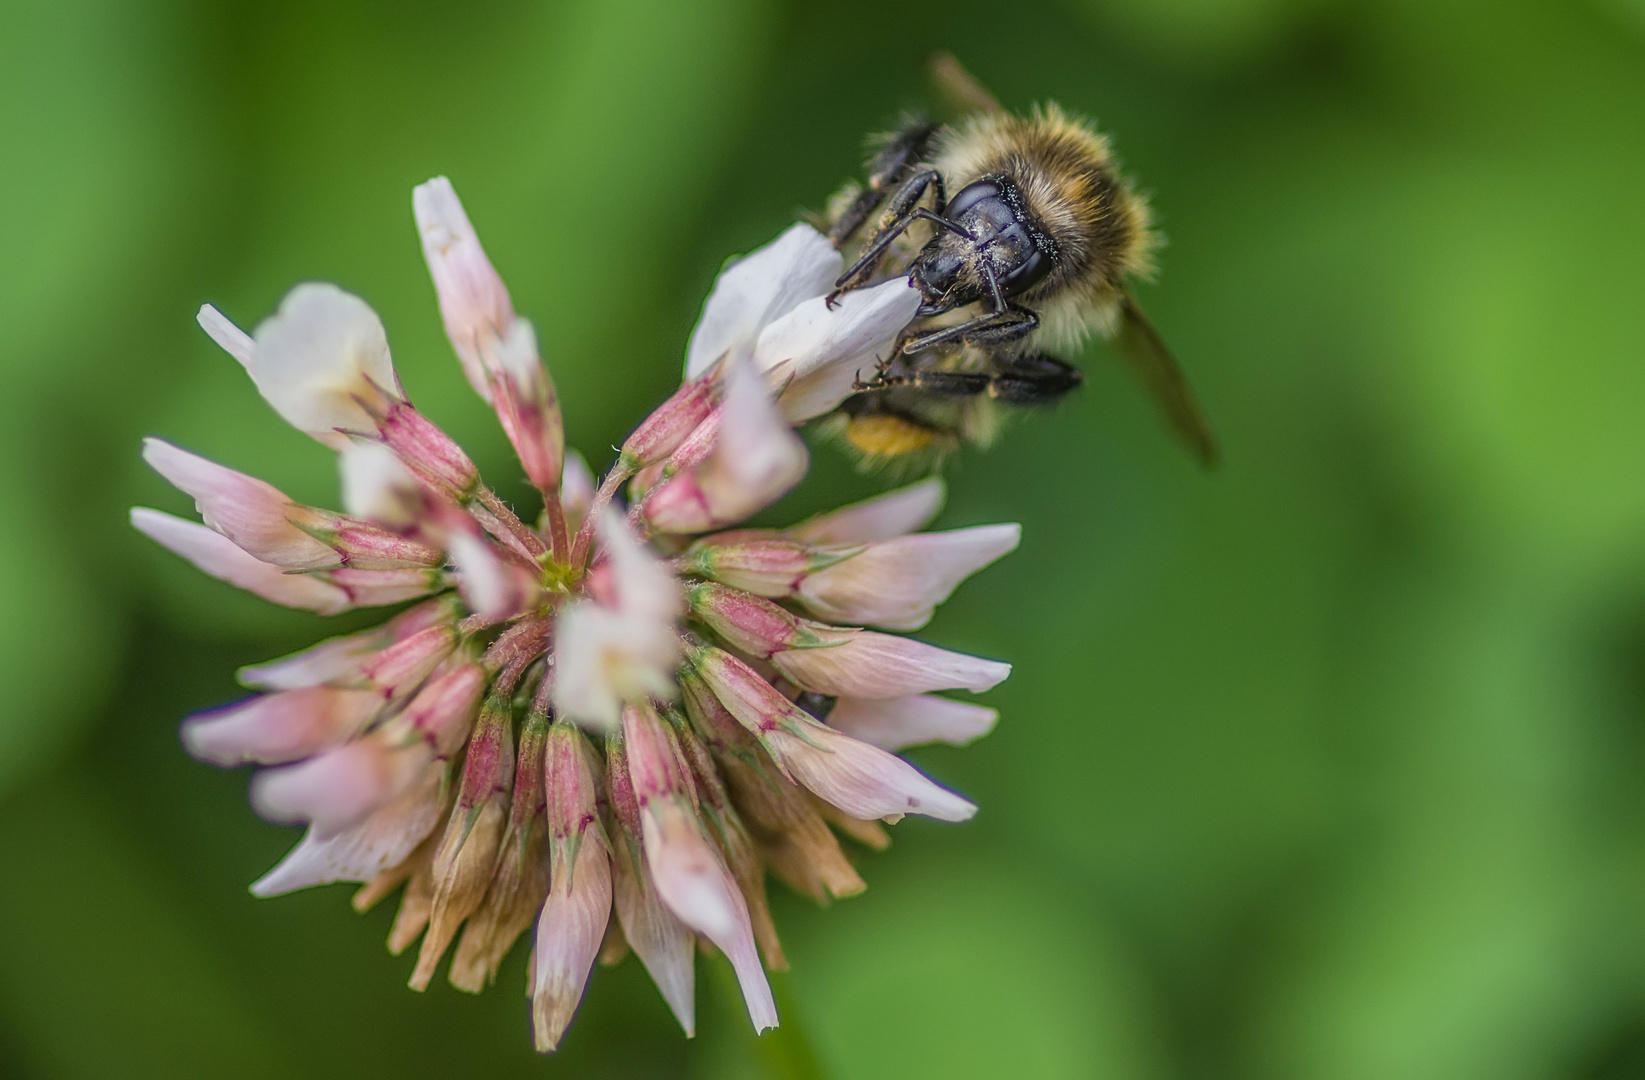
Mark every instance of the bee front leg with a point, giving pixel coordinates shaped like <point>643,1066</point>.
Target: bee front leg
<point>898,217</point>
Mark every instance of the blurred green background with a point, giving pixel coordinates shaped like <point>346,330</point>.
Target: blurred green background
<point>1329,765</point>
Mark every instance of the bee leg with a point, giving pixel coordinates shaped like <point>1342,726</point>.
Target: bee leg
<point>994,328</point>
<point>898,217</point>
<point>1035,379</point>
<point>943,383</point>
<point>888,169</point>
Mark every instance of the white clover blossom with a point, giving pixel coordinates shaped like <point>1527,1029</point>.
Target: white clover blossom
<point>604,713</point>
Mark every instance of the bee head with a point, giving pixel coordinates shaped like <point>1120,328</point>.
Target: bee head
<point>987,234</point>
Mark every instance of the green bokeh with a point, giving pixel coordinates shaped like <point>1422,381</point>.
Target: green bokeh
<point>1327,765</point>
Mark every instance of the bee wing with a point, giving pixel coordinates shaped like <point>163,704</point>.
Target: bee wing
<point>956,89</point>
<point>1140,346</point>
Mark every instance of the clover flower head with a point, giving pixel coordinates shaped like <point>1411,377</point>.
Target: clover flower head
<point>625,708</point>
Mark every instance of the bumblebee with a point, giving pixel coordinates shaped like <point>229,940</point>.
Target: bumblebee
<point>1021,236</point>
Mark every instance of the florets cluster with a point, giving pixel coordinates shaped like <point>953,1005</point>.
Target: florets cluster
<point>620,708</point>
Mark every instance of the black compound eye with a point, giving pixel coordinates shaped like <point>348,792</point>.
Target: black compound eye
<point>1028,273</point>
<point>969,196</point>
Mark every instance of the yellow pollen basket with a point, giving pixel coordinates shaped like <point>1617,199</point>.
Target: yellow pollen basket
<point>888,436</point>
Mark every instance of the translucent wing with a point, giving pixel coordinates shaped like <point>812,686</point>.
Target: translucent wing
<point>957,90</point>
<point>1139,345</point>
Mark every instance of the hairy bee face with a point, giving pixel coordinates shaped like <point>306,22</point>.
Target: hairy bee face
<point>994,243</point>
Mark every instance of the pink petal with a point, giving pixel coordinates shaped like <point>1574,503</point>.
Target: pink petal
<point>217,555</point>
<point>339,788</point>
<point>274,728</point>
<point>881,518</point>
<point>255,515</point>
<point>569,932</point>
<point>871,665</point>
<point>332,659</point>
<point>898,583</point>
<point>897,723</point>
<point>383,840</point>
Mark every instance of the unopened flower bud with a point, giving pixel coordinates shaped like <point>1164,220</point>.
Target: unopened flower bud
<point>668,425</point>
<point>756,626</point>
<point>763,563</point>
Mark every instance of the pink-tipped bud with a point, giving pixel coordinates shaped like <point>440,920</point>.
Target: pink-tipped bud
<point>578,907</point>
<point>378,588</point>
<point>756,626</point>
<point>861,780</point>
<point>474,304</point>
<point>444,710</point>
<point>668,425</point>
<point>658,937</point>
<point>428,451</point>
<point>756,459</point>
<point>763,563</point>
<point>406,663</point>
<point>342,659</point>
<point>528,407</point>
<point>280,727</point>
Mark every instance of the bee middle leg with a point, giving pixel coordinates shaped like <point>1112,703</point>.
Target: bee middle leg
<point>888,170</point>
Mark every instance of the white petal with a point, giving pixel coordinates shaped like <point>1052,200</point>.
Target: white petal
<point>603,658</point>
<point>255,515</point>
<point>894,724</point>
<point>645,589</point>
<point>576,489</point>
<point>862,780</point>
<point>757,289</point>
<point>473,301</point>
<point>658,938</point>
<point>383,840</point>
<point>233,340</point>
<point>880,665</point>
<point>217,555</point>
<point>376,484</point>
<point>317,355</point>
<point>883,517</point>
<point>898,583</point>
<point>830,348</point>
